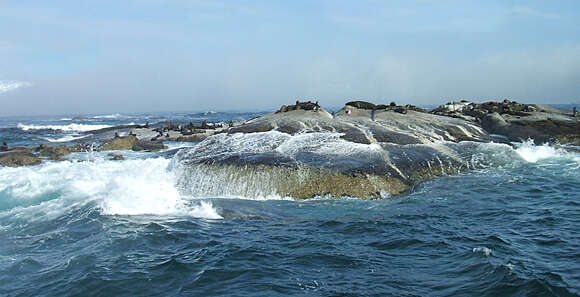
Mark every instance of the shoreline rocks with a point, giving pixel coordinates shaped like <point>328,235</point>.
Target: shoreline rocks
<point>517,121</point>
<point>359,152</point>
<point>17,158</point>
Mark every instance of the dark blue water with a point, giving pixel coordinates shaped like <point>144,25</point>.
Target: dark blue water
<point>93,227</point>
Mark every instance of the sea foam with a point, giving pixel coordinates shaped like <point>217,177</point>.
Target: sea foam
<point>131,187</point>
<point>533,153</point>
<point>69,127</point>
<point>65,138</point>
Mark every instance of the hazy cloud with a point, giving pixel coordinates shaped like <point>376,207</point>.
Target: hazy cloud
<point>153,55</point>
<point>7,86</point>
<point>528,11</point>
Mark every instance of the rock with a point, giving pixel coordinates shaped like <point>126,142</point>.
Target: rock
<point>519,122</point>
<point>368,153</point>
<point>494,123</point>
<point>401,110</point>
<point>18,158</point>
<point>313,106</point>
<point>361,105</point>
<point>53,152</point>
<point>147,145</point>
<point>115,157</point>
<point>192,138</point>
<point>119,143</point>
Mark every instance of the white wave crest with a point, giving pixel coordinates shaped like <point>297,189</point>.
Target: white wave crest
<point>69,127</point>
<point>66,138</point>
<point>483,250</point>
<point>533,153</point>
<point>132,187</point>
<point>108,116</point>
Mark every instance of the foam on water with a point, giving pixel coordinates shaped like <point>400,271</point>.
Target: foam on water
<point>533,153</point>
<point>108,116</point>
<point>69,127</point>
<point>131,187</point>
<point>65,138</point>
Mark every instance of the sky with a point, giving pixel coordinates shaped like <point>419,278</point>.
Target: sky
<point>87,57</point>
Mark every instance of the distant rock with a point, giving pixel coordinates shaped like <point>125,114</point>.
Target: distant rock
<point>517,121</point>
<point>148,145</point>
<point>312,106</point>
<point>53,152</point>
<point>115,157</point>
<point>119,143</point>
<point>362,105</point>
<point>18,158</point>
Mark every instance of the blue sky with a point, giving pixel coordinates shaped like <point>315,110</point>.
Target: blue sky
<point>60,57</point>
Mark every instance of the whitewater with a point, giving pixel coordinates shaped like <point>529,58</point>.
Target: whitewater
<point>90,226</point>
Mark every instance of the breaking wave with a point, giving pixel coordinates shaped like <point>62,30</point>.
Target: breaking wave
<point>108,116</point>
<point>66,138</point>
<point>68,128</point>
<point>533,153</point>
<point>132,187</point>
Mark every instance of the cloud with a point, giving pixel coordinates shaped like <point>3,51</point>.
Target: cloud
<point>528,11</point>
<point>10,85</point>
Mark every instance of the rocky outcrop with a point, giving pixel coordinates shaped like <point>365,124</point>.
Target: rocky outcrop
<point>391,107</point>
<point>16,158</point>
<point>148,145</point>
<point>115,157</point>
<point>517,121</point>
<point>314,106</point>
<point>53,152</point>
<point>359,152</point>
<point>119,143</point>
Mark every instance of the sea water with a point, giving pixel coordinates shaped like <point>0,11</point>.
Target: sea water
<point>88,226</point>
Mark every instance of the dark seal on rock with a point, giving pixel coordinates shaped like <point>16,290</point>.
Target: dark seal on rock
<point>313,106</point>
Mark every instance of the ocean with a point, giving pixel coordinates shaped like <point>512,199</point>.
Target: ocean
<point>89,226</point>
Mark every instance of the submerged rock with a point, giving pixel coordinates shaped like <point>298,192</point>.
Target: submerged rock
<point>115,157</point>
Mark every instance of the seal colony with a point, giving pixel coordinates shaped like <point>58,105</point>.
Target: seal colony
<point>301,150</point>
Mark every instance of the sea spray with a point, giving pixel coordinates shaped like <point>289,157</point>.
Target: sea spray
<point>69,127</point>
<point>131,187</point>
<point>532,153</point>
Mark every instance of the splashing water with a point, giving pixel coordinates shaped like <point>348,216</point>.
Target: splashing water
<point>533,153</point>
<point>132,187</point>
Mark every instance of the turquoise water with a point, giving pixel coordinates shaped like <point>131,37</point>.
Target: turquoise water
<point>93,227</point>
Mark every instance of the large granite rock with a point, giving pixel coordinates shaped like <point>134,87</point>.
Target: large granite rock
<point>358,152</point>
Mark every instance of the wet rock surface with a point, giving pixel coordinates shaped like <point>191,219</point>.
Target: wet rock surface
<point>16,158</point>
<point>517,121</point>
<point>360,151</point>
